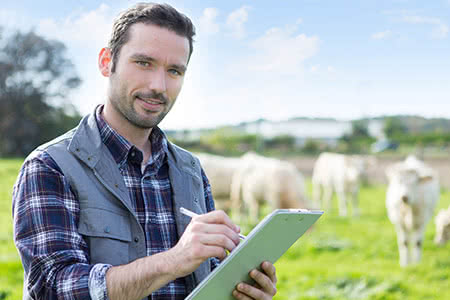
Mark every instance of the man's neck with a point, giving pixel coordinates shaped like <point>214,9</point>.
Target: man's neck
<point>135,135</point>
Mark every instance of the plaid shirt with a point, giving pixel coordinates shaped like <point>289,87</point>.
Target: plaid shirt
<point>46,214</point>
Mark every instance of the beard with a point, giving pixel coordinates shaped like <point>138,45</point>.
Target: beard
<point>130,114</point>
<point>125,106</point>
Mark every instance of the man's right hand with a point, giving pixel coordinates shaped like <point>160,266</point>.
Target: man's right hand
<point>207,235</point>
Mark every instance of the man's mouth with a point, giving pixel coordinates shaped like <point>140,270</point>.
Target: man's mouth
<point>151,103</point>
<point>150,100</point>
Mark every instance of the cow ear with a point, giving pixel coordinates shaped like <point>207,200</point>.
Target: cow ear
<point>425,179</point>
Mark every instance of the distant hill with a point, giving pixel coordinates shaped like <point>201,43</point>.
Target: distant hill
<point>418,124</point>
<point>322,128</point>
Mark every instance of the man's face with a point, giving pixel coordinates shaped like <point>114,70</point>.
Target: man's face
<point>149,74</point>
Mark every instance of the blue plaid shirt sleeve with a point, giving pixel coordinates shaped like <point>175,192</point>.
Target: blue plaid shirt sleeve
<point>46,214</point>
<point>209,207</point>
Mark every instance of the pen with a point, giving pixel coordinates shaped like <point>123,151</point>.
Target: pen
<point>191,214</point>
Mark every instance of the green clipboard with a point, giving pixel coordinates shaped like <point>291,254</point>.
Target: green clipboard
<point>266,242</point>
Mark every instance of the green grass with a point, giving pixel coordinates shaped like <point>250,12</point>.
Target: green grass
<point>11,272</point>
<point>357,258</point>
<point>340,258</point>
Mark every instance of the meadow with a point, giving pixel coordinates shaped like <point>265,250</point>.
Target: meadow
<point>340,258</point>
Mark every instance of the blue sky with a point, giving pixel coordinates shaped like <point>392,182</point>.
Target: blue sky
<point>275,59</point>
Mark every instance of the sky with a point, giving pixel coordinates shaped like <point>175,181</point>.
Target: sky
<point>274,59</point>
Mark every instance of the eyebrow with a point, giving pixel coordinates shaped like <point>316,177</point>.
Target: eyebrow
<point>144,57</point>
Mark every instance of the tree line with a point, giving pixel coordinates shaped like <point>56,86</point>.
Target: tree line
<point>399,131</point>
<point>36,77</point>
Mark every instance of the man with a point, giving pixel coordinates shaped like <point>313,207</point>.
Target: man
<point>96,211</point>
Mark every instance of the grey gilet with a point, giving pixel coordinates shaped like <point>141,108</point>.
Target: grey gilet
<point>107,220</point>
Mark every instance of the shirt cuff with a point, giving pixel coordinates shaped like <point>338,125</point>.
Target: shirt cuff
<point>97,282</point>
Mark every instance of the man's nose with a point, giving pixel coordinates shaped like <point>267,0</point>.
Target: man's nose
<point>158,81</point>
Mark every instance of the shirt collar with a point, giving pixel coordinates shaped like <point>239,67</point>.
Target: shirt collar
<point>123,151</point>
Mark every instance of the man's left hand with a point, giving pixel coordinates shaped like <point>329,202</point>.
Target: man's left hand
<point>263,289</point>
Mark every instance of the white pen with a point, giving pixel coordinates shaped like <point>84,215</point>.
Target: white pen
<point>191,214</point>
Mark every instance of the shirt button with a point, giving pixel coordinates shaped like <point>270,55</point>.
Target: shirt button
<point>107,230</point>
<point>133,154</point>
<point>136,240</point>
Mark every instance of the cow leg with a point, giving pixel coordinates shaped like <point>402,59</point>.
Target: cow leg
<point>235,195</point>
<point>402,241</point>
<point>326,200</point>
<point>252,203</point>
<point>316,193</point>
<point>355,204</point>
<point>416,244</point>
<point>342,200</point>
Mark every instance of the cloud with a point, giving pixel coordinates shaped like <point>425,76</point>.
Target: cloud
<point>440,28</point>
<point>207,23</point>
<point>83,28</point>
<point>382,35</point>
<point>282,50</point>
<point>84,33</point>
<point>14,20</point>
<point>236,20</point>
<point>248,82</point>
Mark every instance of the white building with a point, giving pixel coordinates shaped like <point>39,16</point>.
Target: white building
<point>302,129</point>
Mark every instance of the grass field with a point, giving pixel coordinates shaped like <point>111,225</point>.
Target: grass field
<point>11,272</point>
<point>341,258</point>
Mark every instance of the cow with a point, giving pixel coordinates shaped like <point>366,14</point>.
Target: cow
<point>219,170</point>
<point>339,173</point>
<point>266,180</point>
<point>442,222</point>
<point>411,196</point>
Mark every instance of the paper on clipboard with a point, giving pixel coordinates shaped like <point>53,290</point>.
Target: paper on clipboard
<point>268,241</point>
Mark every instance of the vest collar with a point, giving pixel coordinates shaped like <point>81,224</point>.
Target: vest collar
<point>86,143</point>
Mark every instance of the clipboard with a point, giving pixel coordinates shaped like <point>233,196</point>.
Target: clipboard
<point>268,241</point>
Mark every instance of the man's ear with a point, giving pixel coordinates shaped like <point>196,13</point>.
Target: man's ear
<point>105,62</point>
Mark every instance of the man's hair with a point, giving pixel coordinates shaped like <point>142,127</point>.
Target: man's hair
<point>162,15</point>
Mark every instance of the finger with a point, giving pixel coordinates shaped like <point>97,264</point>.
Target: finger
<point>247,291</point>
<point>264,281</point>
<point>218,240</point>
<point>270,270</point>
<point>240,296</point>
<point>216,229</point>
<point>213,251</point>
<point>218,217</point>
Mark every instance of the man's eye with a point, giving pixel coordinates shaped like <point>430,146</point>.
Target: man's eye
<point>143,63</point>
<point>175,72</point>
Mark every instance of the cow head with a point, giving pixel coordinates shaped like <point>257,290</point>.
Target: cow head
<point>407,182</point>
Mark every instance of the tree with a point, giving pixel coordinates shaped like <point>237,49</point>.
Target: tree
<point>394,127</point>
<point>360,129</point>
<point>359,140</point>
<point>35,79</point>
<point>282,142</point>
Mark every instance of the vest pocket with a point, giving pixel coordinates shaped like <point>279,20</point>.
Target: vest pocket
<point>107,234</point>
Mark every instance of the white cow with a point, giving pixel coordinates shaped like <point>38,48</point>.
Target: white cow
<point>442,222</point>
<point>412,194</point>
<point>266,180</point>
<point>341,174</point>
<point>219,170</point>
